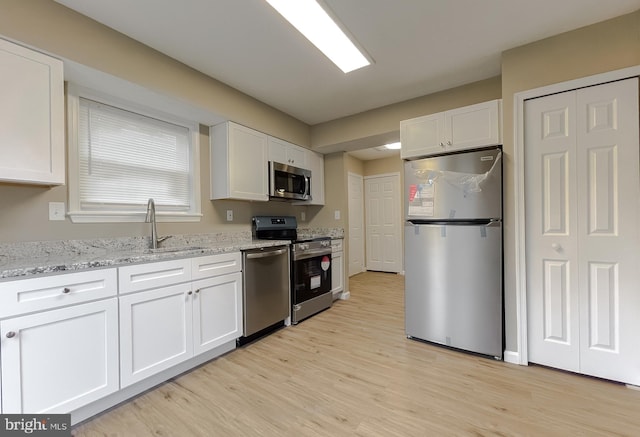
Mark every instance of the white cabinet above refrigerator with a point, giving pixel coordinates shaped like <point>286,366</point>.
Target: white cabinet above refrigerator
<point>457,129</point>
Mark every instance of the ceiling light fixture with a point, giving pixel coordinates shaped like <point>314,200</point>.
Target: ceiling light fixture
<point>393,146</point>
<point>317,26</point>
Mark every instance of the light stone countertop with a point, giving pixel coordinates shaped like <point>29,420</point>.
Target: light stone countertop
<point>22,260</point>
<point>26,259</point>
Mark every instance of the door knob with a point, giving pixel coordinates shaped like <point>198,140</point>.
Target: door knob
<point>556,247</point>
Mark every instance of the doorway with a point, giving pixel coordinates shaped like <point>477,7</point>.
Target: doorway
<point>383,225</point>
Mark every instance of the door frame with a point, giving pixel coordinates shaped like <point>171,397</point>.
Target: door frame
<point>400,255</point>
<point>360,222</point>
<point>520,356</point>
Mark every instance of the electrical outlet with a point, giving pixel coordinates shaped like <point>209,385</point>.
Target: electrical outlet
<point>336,214</point>
<point>303,216</point>
<point>229,215</point>
<point>56,211</point>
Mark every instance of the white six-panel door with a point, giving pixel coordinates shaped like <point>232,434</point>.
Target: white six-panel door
<point>382,200</point>
<point>582,219</point>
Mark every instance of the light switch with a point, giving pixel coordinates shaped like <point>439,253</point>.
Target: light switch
<point>303,216</point>
<point>56,211</point>
<point>229,215</point>
<point>336,214</point>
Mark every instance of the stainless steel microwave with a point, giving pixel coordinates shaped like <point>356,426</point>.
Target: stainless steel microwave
<point>287,182</point>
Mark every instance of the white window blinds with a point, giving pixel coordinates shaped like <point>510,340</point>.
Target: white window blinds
<point>126,158</point>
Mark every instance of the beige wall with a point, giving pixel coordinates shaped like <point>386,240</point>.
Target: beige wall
<point>379,126</point>
<point>392,164</point>
<point>51,27</point>
<point>602,47</point>
<point>24,215</point>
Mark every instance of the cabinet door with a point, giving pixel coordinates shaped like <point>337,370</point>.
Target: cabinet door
<point>286,153</point>
<point>155,331</point>
<point>32,111</point>
<point>60,360</point>
<point>217,307</point>
<point>238,163</point>
<point>473,126</point>
<point>315,163</point>
<point>422,136</point>
<point>337,273</point>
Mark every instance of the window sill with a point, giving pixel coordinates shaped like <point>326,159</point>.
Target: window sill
<point>132,217</point>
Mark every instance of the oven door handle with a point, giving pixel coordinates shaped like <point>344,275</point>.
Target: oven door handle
<point>266,254</point>
<point>311,254</point>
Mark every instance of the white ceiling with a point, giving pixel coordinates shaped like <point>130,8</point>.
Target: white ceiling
<point>418,46</point>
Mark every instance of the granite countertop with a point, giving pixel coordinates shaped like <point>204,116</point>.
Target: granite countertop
<point>72,255</point>
<point>308,233</point>
<point>25,259</point>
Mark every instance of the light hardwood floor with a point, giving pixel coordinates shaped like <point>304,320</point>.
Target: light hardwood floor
<point>350,371</point>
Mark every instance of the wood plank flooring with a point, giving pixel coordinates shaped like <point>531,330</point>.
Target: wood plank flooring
<point>350,371</point>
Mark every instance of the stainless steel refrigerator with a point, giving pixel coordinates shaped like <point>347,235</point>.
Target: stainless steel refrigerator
<point>453,250</point>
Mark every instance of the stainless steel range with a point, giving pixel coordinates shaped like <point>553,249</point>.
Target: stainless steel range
<point>310,265</point>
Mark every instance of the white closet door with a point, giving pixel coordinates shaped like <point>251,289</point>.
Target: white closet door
<point>583,268</point>
<point>551,204</point>
<point>382,200</point>
<point>608,224</point>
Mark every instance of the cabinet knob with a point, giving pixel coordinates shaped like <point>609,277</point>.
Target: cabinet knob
<point>190,293</point>
<point>11,334</point>
<point>197,291</point>
<point>442,145</point>
<point>449,143</point>
<point>66,290</point>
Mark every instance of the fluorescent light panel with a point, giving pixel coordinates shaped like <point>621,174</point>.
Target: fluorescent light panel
<point>393,146</point>
<point>316,25</point>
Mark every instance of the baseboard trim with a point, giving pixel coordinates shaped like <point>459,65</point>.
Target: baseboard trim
<point>345,295</point>
<point>512,357</point>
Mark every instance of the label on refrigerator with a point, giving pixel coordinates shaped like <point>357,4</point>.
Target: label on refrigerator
<point>421,200</point>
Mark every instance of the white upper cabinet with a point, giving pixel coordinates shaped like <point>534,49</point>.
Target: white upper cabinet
<point>315,163</point>
<point>238,163</point>
<point>287,153</point>
<point>462,128</point>
<point>32,114</point>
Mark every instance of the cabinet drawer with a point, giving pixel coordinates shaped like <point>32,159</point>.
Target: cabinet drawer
<point>214,265</point>
<point>336,245</point>
<point>43,293</point>
<point>153,275</point>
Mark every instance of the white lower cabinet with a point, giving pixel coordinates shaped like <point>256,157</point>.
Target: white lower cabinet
<point>164,326</point>
<point>72,342</point>
<point>217,311</point>
<point>155,331</point>
<point>59,360</point>
<point>337,268</point>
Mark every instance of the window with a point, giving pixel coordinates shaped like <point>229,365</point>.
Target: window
<point>119,157</point>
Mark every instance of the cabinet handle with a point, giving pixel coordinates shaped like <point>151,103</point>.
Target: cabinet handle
<point>11,334</point>
<point>66,290</point>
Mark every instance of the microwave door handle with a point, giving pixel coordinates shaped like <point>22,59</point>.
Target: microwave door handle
<point>306,187</point>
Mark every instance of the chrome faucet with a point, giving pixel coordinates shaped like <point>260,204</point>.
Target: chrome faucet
<point>151,218</point>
